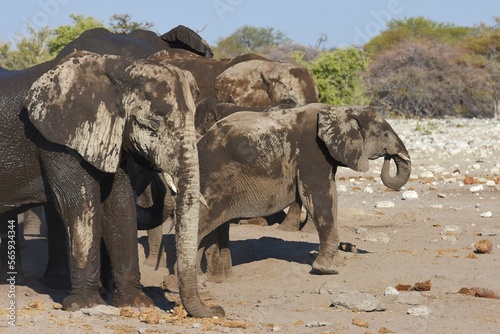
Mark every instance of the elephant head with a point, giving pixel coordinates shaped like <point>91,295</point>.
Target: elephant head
<point>102,106</point>
<point>259,82</point>
<point>354,135</point>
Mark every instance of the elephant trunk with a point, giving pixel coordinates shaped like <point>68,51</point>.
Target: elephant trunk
<point>186,228</point>
<point>403,167</point>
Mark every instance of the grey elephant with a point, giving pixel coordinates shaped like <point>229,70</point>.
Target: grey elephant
<point>65,149</point>
<point>258,163</point>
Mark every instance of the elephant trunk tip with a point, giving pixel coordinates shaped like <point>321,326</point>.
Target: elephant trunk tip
<point>403,167</point>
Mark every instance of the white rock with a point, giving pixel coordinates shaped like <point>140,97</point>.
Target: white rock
<point>476,166</point>
<point>486,214</point>
<point>368,190</point>
<point>361,230</point>
<point>427,174</point>
<point>451,238</point>
<point>377,237</point>
<point>476,188</point>
<point>410,194</point>
<point>391,291</point>
<point>342,188</point>
<point>420,311</point>
<point>490,183</point>
<point>437,206</point>
<point>452,228</point>
<point>385,204</point>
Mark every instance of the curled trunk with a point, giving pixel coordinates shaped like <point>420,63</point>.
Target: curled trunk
<point>403,170</point>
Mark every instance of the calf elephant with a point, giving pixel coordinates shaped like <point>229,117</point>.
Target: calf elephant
<point>255,164</point>
<point>66,149</point>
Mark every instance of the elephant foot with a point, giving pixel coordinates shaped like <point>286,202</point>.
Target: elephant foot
<point>215,276</point>
<point>154,260</point>
<point>138,299</point>
<point>323,266</point>
<point>77,301</point>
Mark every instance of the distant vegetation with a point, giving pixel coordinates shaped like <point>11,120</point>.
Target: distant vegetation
<point>414,68</point>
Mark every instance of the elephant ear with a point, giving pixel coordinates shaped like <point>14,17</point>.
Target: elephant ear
<point>342,134</point>
<point>76,105</point>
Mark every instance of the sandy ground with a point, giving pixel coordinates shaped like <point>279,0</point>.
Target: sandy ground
<point>456,176</point>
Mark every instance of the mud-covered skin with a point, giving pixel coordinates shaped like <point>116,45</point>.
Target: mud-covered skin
<point>255,164</point>
<point>80,119</point>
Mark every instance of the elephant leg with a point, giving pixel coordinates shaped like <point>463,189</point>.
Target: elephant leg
<point>218,255</point>
<point>215,267</point>
<point>156,254</point>
<point>292,219</point>
<point>10,248</point>
<point>225,253</point>
<point>119,231</point>
<point>321,204</point>
<point>57,269</point>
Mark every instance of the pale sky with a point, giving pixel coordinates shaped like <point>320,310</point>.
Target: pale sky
<point>343,22</point>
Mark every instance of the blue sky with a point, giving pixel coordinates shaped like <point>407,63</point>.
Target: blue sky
<point>343,22</point>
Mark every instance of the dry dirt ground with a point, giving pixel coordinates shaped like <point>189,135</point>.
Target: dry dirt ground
<point>456,176</point>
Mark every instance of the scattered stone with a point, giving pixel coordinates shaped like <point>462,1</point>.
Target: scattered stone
<point>101,310</point>
<point>488,232</point>
<point>385,204</point>
<point>385,330</point>
<point>377,237</point>
<point>490,183</point>
<point>410,298</point>
<point>479,292</point>
<point>341,188</point>
<point>441,195</point>
<point>332,288</point>
<point>348,247</point>
<point>358,301</point>
<point>127,312</point>
<point>437,206</point>
<point>483,246</point>
<point>452,228</point>
<point>476,188</point>
<point>360,323</point>
<point>426,174</point>
<point>142,330</point>
<point>57,306</point>
<point>420,311</point>
<point>276,329</point>
<point>409,195</point>
<point>361,230</point>
<point>471,255</point>
<point>486,214</point>
<point>391,291</point>
<point>451,238</point>
<point>318,324</point>
<point>403,287</point>
<point>368,190</point>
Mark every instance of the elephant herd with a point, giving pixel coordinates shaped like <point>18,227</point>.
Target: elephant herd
<point>122,131</point>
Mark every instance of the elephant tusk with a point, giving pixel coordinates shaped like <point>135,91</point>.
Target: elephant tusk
<point>170,182</point>
<point>203,201</point>
<point>403,156</point>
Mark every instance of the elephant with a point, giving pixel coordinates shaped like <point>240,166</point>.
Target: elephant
<point>66,132</point>
<point>255,164</point>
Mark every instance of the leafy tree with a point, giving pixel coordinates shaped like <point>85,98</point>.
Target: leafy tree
<point>336,74</point>
<point>427,79</point>
<point>29,51</point>
<point>66,33</point>
<point>416,29</point>
<point>122,23</point>
<point>249,39</point>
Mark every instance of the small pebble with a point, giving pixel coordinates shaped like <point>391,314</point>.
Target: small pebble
<point>476,188</point>
<point>420,311</point>
<point>385,204</point>
<point>486,214</point>
<point>410,194</point>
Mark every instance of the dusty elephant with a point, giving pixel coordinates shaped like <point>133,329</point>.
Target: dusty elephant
<point>81,117</point>
<point>288,156</point>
